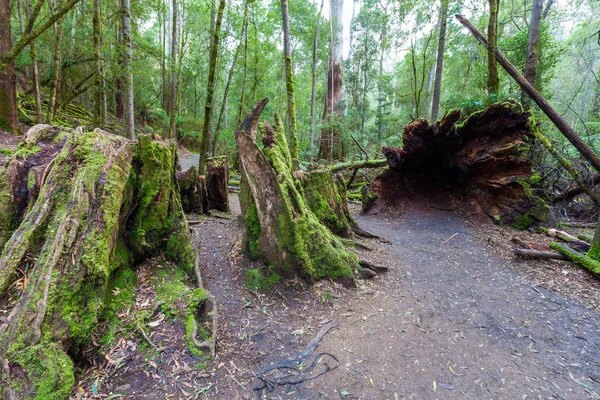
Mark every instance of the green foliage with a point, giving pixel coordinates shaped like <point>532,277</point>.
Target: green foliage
<point>261,280</point>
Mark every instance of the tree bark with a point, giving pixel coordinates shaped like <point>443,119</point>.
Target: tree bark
<point>331,147</point>
<point>8,85</point>
<point>313,96</point>
<point>533,45</point>
<point>217,176</point>
<point>439,65</point>
<point>383,45</point>
<point>99,203</point>
<point>128,68</point>
<point>493,82</point>
<point>172,73</point>
<point>210,89</point>
<point>240,114</point>
<point>56,69</point>
<point>101,106</point>
<point>280,227</point>
<point>555,117</point>
<point>289,80</point>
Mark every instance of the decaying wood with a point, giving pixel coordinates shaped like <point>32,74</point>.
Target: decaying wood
<point>573,242</point>
<point>540,254</point>
<point>192,190</point>
<point>358,164</point>
<point>479,165</point>
<point>373,267</point>
<point>554,116</point>
<point>577,257</point>
<point>217,176</point>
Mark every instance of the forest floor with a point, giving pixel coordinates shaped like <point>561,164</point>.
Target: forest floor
<point>453,319</point>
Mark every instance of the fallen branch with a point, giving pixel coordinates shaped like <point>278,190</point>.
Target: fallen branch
<point>577,257</point>
<point>554,116</point>
<point>574,243</point>
<point>449,239</point>
<point>358,164</point>
<point>540,254</point>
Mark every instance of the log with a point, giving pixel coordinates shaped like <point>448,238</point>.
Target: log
<point>479,165</point>
<point>280,227</point>
<point>217,175</point>
<point>554,116</point>
<point>358,164</point>
<point>105,203</point>
<point>540,254</point>
<point>577,257</point>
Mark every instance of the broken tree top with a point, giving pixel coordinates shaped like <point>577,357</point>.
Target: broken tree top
<point>481,165</point>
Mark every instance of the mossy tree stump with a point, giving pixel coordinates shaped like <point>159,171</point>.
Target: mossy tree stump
<point>101,203</point>
<point>217,176</point>
<point>281,229</point>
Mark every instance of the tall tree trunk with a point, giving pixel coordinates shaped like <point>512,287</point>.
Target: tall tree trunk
<point>240,113</point>
<point>331,140</point>
<point>289,79</point>
<point>383,45</point>
<point>439,65</point>
<point>56,62</point>
<point>223,112</point>
<point>128,68</point>
<point>493,82</point>
<point>8,84</point>
<point>163,62</point>
<point>100,81</point>
<point>172,74</point>
<point>313,96</point>
<point>210,89</point>
<point>533,46</point>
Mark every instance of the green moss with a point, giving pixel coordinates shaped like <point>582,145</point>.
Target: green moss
<point>49,371</point>
<point>257,279</point>
<point>538,212</point>
<point>7,152</point>
<point>588,263</point>
<point>119,297</point>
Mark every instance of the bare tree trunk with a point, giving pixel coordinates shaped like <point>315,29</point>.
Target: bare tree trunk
<point>313,96</point>
<point>493,82</point>
<point>533,46</point>
<point>100,81</point>
<point>172,74</point>
<point>383,45</point>
<point>127,63</point>
<point>240,114</point>
<point>223,111</point>
<point>331,140</point>
<point>56,61</point>
<point>289,80</point>
<point>210,89</point>
<point>439,65</point>
<point>8,85</point>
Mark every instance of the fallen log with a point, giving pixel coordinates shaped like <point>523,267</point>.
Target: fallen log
<point>554,116</point>
<point>104,203</point>
<point>540,254</point>
<point>577,257</point>
<point>358,164</point>
<point>576,190</point>
<point>573,242</point>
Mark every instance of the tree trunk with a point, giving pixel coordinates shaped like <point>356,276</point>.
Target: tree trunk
<point>97,203</point>
<point>594,251</point>
<point>280,227</point>
<point>533,45</point>
<point>555,117</point>
<point>56,69</point>
<point>128,68</point>
<point>493,82</point>
<point>8,84</point>
<point>210,89</point>
<point>240,114</point>
<point>439,64</point>
<point>313,96</point>
<point>100,81</point>
<point>223,112</point>
<point>331,138</point>
<point>217,176</point>
<point>172,73</point>
<point>289,80</point>
<point>383,45</point>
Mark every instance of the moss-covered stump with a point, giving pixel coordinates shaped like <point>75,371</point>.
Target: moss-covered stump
<point>479,165</point>
<point>281,229</point>
<point>217,176</point>
<point>102,203</point>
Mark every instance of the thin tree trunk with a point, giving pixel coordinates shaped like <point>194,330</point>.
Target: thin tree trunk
<point>163,63</point>
<point>555,117</point>
<point>127,63</point>
<point>383,45</point>
<point>313,97</point>
<point>56,61</point>
<point>8,85</point>
<point>240,114</point>
<point>533,46</point>
<point>100,82</point>
<point>35,76</point>
<point>493,82</point>
<point>439,65</point>
<point>289,79</point>
<point>223,111</point>
<point>172,74</point>
<point>210,89</point>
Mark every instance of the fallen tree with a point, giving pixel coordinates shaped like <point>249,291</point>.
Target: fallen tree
<point>281,228</point>
<point>76,207</point>
<point>479,165</point>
